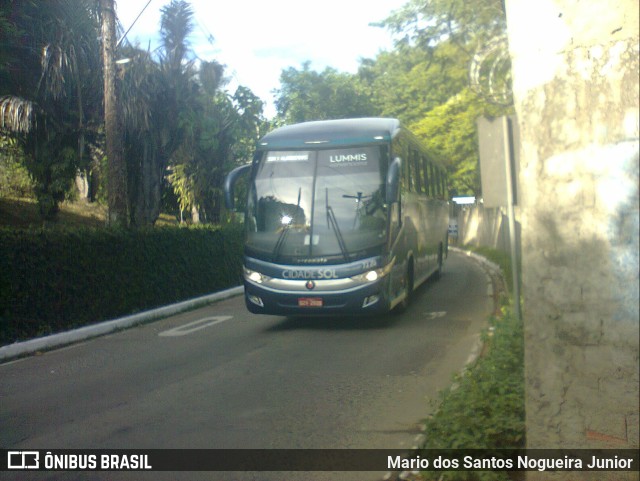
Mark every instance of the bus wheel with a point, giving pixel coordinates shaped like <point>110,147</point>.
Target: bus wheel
<point>440,261</point>
<point>408,282</point>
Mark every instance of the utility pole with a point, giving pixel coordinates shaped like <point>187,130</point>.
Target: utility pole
<point>513,235</point>
<point>116,168</point>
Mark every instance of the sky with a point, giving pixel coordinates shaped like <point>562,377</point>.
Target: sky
<point>256,40</point>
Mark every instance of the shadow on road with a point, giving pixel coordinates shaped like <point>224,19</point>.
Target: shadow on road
<point>347,322</point>
<point>337,323</point>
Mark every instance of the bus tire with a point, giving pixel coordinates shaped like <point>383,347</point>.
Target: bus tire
<point>408,281</point>
<point>440,261</point>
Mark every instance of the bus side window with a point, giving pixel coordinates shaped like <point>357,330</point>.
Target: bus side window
<point>401,150</point>
<point>395,202</point>
<point>406,171</point>
<point>415,162</point>
<point>412,172</point>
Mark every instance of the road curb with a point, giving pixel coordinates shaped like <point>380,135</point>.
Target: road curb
<point>491,267</point>
<point>495,284</point>
<point>54,341</point>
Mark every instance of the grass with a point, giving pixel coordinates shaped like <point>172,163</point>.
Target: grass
<point>501,258</point>
<point>484,409</point>
<point>23,213</point>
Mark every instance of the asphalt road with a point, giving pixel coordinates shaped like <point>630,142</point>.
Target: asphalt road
<point>220,377</point>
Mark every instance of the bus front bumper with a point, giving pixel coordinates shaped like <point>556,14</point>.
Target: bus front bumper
<point>367,299</point>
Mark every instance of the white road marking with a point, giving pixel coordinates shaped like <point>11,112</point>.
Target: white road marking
<point>435,315</point>
<point>194,326</point>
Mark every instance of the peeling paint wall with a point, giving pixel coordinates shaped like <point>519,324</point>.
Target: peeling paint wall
<point>575,68</point>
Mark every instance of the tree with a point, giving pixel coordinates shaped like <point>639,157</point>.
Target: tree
<point>224,131</point>
<point>425,80</point>
<point>50,98</point>
<point>158,98</point>
<point>116,171</point>
<point>450,130</point>
<point>143,123</point>
<point>182,132</point>
<point>14,177</point>
<point>410,81</point>
<point>467,25</point>
<point>309,95</point>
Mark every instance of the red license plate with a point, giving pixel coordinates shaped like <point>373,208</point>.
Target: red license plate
<point>310,302</point>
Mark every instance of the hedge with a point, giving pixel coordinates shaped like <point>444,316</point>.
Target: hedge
<point>53,280</point>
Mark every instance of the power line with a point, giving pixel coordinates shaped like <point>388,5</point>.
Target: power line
<point>134,22</point>
<point>207,33</point>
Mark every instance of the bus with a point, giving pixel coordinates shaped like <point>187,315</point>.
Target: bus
<point>342,217</point>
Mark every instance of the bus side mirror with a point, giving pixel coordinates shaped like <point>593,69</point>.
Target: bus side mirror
<point>393,180</point>
<point>230,181</point>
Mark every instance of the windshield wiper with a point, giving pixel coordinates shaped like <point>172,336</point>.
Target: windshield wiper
<point>331,219</point>
<point>285,229</point>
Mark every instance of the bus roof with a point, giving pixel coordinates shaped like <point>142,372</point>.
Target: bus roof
<point>331,132</point>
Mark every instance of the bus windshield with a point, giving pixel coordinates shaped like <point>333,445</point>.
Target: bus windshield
<point>318,205</point>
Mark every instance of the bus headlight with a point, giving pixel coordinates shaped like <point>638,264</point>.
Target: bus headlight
<point>374,275</point>
<point>255,276</point>
<point>371,276</point>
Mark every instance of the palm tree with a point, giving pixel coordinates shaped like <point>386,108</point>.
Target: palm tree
<point>223,133</point>
<point>179,122</point>
<point>52,97</point>
<point>142,93</point>
<point>157,97</point>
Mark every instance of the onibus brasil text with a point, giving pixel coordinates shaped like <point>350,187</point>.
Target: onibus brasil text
<point>111,462</point>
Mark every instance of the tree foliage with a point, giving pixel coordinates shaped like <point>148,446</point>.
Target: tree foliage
<point>176,115</point>
<point>450,129</point>
<point>14,177</point>
<point>309,95</point>
<point>158,96</point>
<point>425,80</point>
<point>429,23</point>
<point>50,96</point>
<point>184,131</point>
<point>180,121</point>
<point>222,134</point>
<point>410,81</point>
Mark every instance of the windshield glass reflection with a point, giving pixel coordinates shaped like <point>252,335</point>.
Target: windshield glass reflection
<point>328,203</point>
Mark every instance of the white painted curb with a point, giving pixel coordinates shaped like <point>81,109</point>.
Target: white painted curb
<point>486,263</point>
<point>490,269</point>
<point>57,340</point>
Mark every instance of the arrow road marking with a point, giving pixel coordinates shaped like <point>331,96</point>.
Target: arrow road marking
<point>435,315</point>
<point>194,326</point>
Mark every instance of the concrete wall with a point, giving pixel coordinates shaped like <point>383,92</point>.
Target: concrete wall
<point>483,226</point>
<point>575,67</point>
